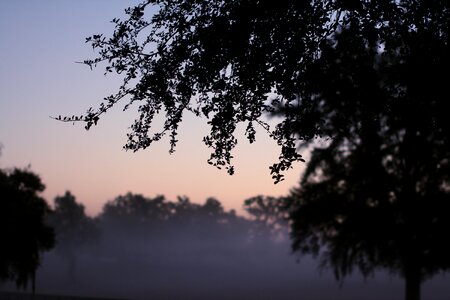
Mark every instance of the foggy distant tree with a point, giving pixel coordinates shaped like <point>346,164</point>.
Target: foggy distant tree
<point>135,214</point>
<point>142,213</point>
<point>73,228</point>
<point>235,226</point>
<point>376,191</point>
<point>210,213</point>
<point>160,229</point>
<point>192,217</point>
<point>269,216</point>
<point>23,232</point>
<point>183,207</point>
<point>212,208</point>
<point>136,211</point>
<point>209,221</point>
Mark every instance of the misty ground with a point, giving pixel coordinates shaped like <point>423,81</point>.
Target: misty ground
<point>135,250</point>
<point>203,270</point>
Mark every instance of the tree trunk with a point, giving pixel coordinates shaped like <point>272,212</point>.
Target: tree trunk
<point>412,284</point>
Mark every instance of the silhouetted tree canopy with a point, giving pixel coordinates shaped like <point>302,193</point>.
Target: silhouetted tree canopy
<point>23,232</point>
<point>226,59</point>
<point>377,192</point>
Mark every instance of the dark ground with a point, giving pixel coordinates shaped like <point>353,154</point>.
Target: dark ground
<point>28,296</point>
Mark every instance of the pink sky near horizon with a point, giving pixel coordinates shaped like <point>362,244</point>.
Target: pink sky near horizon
<point>41,41</point>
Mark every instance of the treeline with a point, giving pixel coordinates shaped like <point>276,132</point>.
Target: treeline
<point>138,247</point>
<point>130,228</point>
<point>136,215</point>
<point>154,225</point>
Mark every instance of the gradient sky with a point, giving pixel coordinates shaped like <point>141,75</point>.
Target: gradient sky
<point>40,43</point>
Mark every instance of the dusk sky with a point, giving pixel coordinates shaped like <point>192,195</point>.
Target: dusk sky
<point>41,41</point>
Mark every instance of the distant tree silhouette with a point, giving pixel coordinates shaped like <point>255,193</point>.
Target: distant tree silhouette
<point>269,215</point>
<point>212,208</point>
<point>73,228</point>
<point>134,211</point>
<point>23,232</point>
<point>186,232</point>
<point>193,214</point>
<point>142,215</point>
